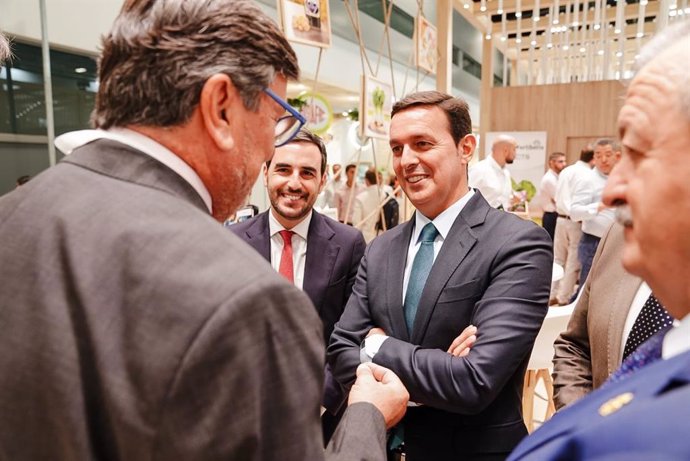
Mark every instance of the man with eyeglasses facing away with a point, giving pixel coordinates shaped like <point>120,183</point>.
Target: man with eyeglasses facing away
<point>134,325</point>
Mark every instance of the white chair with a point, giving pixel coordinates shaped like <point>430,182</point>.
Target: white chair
<point>539,365</point>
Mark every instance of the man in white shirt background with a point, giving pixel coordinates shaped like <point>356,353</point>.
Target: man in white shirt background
<point>366,204</point>
<point>491,176</point>
<point>568,232</point>
<point>547,192</point>
<point>346,193</point>
<point>587,206</point>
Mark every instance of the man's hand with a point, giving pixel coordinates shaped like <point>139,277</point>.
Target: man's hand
<point>461,345</point>
<point>382,388</point>
<point>376,331</point>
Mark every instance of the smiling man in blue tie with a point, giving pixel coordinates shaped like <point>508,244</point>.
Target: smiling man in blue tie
<point>458,262</point>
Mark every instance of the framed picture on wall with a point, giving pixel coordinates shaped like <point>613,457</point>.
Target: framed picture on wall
<point>376,104</point>
<point>306,21</point>
<point>426,45</point>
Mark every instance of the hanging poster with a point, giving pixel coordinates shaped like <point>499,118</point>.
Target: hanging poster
<point>318,112</point>
<point>377,102</point>
<point>306,21</point>
<point>426,45</point>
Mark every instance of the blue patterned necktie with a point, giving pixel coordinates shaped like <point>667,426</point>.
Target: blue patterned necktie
<point>648,352</point>
<point>421,266</point>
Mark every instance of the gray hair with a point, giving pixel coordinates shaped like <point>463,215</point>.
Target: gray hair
<point>5,52</point>
<point>160,53</point>
<point>615,146</point>
<point>661,42</point>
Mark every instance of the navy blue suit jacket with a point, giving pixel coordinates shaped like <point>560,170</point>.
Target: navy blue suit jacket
<point>653,425</point>
<point>334,251</point>
<point>493,271</point>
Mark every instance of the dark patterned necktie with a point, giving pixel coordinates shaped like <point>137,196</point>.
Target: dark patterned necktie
<point>648,352</point>
<point>652,318</point>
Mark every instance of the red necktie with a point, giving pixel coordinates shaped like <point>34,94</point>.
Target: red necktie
<point>286,269</point>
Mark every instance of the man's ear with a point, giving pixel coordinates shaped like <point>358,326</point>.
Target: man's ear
<point>466,147</point>
<point>265,175</point>
<point>323,182</point>
<point>218,105</point>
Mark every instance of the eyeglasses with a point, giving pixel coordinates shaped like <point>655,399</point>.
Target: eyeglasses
<point>288,125</point>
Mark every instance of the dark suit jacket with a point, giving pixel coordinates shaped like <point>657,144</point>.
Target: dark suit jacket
<point>590,349</point>
<point>334,251</point>
<point>653,425</point>
<point>135,327</point>
<point>493,271</point>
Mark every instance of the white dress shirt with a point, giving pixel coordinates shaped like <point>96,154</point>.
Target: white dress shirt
<point>70,141</point>
<point>586,199</point>
<point>364,205</point>
<point>566,183</point>
<point>299,246</point>
<point>547,191</point>
<point>493,182</point>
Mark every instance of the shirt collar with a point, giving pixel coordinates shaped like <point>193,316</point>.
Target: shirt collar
<point>301,229</point>
<point>599,173</point>
<point>677,340</point>
<point>68,142</point>
<point>444,221</point>
<point>494,163</point>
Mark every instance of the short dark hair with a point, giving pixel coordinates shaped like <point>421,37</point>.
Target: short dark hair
<point>587,154</point>
<point>555,155</point>
<point>371,176</point>
<point>306,136</point>
<point>159,54</point>
<point>456,109</point>
<point>350,166</point>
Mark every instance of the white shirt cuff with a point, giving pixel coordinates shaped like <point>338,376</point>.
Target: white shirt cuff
<point>370,347</point>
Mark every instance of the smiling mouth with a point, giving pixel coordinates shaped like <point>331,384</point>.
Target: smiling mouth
<point>415,179</point>
<point>292,197</point>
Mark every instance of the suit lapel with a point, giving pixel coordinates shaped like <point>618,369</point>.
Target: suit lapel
<point>258,236</point>
<point>395,272</point>
<point>456,246</point>
<point>322,254</point>
<point>622,297</point>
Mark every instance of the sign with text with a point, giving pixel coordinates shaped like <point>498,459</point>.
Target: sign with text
<point>530,158</point>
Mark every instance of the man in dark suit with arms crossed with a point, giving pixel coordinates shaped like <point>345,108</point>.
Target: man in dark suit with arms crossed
<point>490,269</point>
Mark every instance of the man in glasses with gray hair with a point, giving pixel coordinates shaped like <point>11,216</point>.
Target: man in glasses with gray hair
<point>134,325</point>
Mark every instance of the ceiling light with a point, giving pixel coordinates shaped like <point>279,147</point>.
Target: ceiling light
<point>503,38</point>
<point>643,2</point>
<point>619,54</point>
<point>575,23</point>
<point>535,18</point>
<point>555,20</point>
<point>617,31</point>
<point>518,40</point>
<point>597,26</point>
<point>488,36</point>
<point>533,43</point>
<point>640,35</point>
<point>499,11</point>
<point>565,47</point>
<point>466,6</point>
<point>80,70</point>
<point>482,8</point>
<point>583,49</point>
<point>518,14</point>
<point>549,45</point>
<point>672,13</point>
<point>600,52</point>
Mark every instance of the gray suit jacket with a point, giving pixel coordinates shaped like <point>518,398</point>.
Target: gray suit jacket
<point>136,327</point>
<point>493,271</point>
<point>590,348</point>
